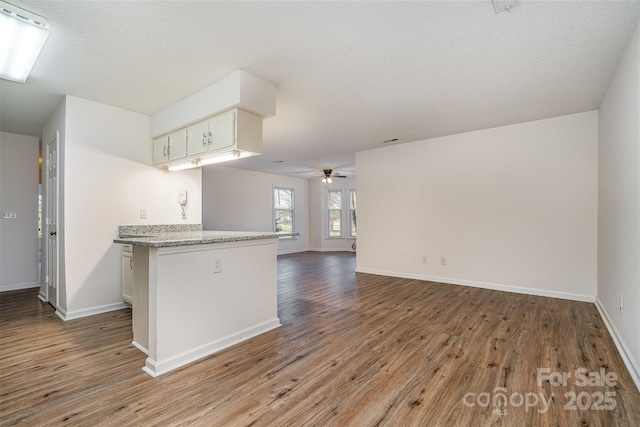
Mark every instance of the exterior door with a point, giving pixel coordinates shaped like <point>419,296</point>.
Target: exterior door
<point>51,213</point>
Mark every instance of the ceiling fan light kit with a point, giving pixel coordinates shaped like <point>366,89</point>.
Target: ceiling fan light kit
<point>327,176</point>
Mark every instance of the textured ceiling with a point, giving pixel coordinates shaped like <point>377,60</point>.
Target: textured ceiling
<point>349,74</point>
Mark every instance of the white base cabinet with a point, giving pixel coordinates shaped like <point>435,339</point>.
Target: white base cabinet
<point>127,274</point>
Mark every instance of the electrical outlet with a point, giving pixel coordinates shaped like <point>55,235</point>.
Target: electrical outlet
<point>143,213</point>
<point>424,259</point>
<point>217,265</point>
<point>621,304</point>
<point>443,260</point>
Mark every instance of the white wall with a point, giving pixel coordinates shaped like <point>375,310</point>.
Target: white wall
<point>108,178</point>
<point>318,223</point>
<point>511,208</point>
<point>242,200</point>
<point>19,194</point>
<point>619,205</point>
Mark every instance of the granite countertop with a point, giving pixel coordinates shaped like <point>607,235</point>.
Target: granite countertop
<point>180,238</point>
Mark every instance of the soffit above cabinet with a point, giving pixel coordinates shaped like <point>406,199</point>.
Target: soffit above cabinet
<point>239,89</point>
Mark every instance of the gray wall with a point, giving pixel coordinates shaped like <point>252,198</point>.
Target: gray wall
<point>19,194</point>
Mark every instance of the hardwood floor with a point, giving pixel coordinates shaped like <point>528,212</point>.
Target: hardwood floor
<point>354,350</point>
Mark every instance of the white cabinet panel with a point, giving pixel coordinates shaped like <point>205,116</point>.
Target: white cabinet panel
<point>198,138</point>
<point>178,145</point>
<point>161,150</point>
<point>127,277</point>
<point>223,130</point>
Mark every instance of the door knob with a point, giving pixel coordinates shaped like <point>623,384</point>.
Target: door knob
<point>53,233</point>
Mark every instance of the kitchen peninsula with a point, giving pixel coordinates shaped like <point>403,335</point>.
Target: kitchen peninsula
<point>197,292</point>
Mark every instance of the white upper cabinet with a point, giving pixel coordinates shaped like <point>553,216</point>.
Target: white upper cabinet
<point>198,138</point>
<point>236,129</point>
<point>178,145</point>
<point>161,150</point>
<point>170,147</point>
<point>222,129</point>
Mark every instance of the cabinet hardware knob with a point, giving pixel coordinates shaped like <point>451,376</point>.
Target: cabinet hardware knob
<point>53,233</point>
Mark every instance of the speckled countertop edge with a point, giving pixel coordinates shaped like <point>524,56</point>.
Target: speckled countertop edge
<point>182,238</point>
<point>145,229</point>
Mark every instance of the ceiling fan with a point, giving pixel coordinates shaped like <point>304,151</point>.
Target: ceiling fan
<point>328,174</point>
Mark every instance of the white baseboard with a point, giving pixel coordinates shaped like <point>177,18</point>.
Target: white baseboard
<point>18,286</point>
<point>156,368</point>
<point>139,347</point>
<point>77,314</point>
<point>331,250</point>
<point>484,285</point>
<point>293,251</point>
<point>625,353</point>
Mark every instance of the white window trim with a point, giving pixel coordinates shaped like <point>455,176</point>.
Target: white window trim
<point>349,209</point>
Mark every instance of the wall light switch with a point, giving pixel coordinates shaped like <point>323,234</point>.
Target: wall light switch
<point>143,213</point>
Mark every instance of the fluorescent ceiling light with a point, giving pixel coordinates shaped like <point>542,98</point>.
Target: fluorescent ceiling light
<point>210,160</point>
<point>22,35</point>
<point>504,5</point>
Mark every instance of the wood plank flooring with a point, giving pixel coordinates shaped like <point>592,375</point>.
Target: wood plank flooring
<point>354,350</point>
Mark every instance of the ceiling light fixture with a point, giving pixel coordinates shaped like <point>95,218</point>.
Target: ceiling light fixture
<point>504,5</point>
<point>218,158</point>
<point>22,35</point>
<point>327,176</point>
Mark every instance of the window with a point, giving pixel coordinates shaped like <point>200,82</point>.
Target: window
<point>352,213</point>
<point>284,209</point>
<point>334,213</point>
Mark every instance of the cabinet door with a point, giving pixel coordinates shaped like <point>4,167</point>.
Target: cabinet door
<point>198,138</point>
<point>223,131</point>
<point>178,144</point>
<point>160,150</point>
<point>127,277</point>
